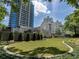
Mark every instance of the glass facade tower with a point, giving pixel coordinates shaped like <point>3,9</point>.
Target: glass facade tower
<point>24,17</point>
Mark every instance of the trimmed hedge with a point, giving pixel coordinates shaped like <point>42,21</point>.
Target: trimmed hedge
<point>37,36</point>
<point>34,37</point>
<point>20,37</point>
<point>10,36</point>
<point>27,37</point>
<point>5,36</point>
<point>16,36</point>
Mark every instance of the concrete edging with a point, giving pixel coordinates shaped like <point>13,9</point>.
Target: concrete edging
<point>19,55</point>
<point>71,49</point>
<point>11,53</point>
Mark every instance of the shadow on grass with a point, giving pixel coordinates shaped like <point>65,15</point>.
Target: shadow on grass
<point>12,49</point>
<point>40,50</point>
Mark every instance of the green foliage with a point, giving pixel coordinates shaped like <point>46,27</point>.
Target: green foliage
<point>5,36</point>
<point>27,37</point>
<point>58,32</point>
<point>16,36</point>
<point>74,3</point>
<point>2,26</point>
<point>2,12</point>
<point>72,22</point>
<point>25,1</point>
<point>10,36</point>
<point>14,8</point>
<point>20,37</point>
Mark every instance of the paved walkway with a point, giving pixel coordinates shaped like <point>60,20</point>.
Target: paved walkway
<point>71,49</point>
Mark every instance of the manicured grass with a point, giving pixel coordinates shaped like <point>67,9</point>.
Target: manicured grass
<point>74,41</point>
<point>4,55</point>
<point>50,46</point>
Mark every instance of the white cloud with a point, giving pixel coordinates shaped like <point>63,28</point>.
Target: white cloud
<point>40,7</point>
<point>48,12</point>
<point>5,20</point>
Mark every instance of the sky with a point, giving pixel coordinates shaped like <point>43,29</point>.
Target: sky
<point>42,8</point>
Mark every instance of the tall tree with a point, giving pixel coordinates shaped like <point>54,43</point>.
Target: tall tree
<point>72,22</point>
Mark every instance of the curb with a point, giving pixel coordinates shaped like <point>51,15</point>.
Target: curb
<point>19,55</point>
<point>71,49</point>
<point>11,53</point>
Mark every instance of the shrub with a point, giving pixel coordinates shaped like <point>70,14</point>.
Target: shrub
<point>76,36</point>
<point>37,36</point>
<point>15,36</point>
<point>41,37</point>
<point>23,36</point>
<point>10,36</point>
<point>20,37</point>
<point>5,35</point>
<point>67,35</point>
<point>31,35</point>
<point>34,37</point>
<point>27,37</point>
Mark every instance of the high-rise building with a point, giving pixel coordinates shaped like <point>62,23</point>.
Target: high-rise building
<point>25,15</point>
<point>13,20</point>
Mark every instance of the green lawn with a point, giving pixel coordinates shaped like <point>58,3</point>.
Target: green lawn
<point>74,42</point>
<point>43,47</point>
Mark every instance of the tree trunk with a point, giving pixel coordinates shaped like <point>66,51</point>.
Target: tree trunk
<point>75,30</point>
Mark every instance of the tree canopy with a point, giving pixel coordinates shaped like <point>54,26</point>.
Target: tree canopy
<point>74,3</point>
<point>2,26</point>
<point>2,12</point>
<point>72,22</point>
